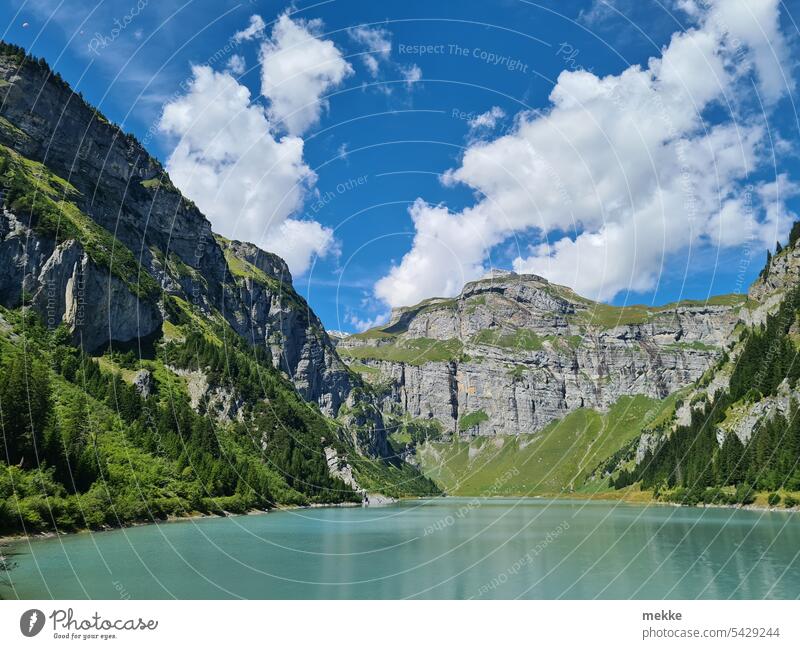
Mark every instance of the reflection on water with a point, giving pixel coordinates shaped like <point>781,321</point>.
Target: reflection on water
<point>444,548</point>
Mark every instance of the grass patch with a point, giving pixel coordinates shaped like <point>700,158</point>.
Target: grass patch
<point>244,269</point>
<point>109,365</point>
<point>524,339</point>
<point>363,369</point>
<point>696,345</point>
<point>558,459</point>
<point>607,316</point>
<point>416,351</point>
<point>472,419</point>
<point>518,372</point>
<point>11,131</point>
<point>159,182</point>
<point>373,334</point>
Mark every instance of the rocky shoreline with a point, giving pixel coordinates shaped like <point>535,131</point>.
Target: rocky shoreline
<point>605,497</point>
<point>40,536</point>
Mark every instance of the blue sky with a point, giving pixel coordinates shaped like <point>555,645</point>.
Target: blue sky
<point>637,151</point>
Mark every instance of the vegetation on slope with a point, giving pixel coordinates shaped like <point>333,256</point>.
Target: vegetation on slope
<point>691,466</point>
<point>558,459</point>
<point>607,316</point>
<point>34,192</point>
<point>85,449</point>
<point>394,478</point>
<point>415,351</point>
<point>472,419</point>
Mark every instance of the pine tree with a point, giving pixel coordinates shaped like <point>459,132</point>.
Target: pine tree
<point>794,234</point>
<point>25,405</point>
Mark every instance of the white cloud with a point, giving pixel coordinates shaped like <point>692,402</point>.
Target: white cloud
<point>487,120</point>
<point>752,30</point>
<point>362,324</point>
<point>299,242</point>
<point>236,64</point>
<point>625,163</point>
<point>298,68</point>
<point>448,251</point>
<point>411,74</point>
<point>378,42</point>
<point>245,180</point>
<point>255,29</point>
<point>597,12</point>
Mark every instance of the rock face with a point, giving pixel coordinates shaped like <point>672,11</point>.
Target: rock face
<point>524,352</point>
<point>744,417</point>
<point>112,180</point>
<point>64,285</point>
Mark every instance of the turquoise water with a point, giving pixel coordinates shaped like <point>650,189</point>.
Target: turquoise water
<point>444,548</point>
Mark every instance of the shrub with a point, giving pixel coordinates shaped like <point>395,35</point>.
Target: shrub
<point>790,501</point>
<point>472,419</point>
<point>744,494</point>
<point>773,499</point>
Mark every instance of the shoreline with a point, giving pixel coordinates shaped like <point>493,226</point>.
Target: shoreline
<point>607,497</point>
<point>43,536</point>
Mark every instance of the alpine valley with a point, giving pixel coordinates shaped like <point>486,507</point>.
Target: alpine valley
<point>151,368</point>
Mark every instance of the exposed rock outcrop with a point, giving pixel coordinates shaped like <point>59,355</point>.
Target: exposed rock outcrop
<point>525,352</point>
<point>111,181</point>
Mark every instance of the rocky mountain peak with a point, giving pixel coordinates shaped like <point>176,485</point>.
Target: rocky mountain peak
<point>512,353</point>
<point>95,232</point>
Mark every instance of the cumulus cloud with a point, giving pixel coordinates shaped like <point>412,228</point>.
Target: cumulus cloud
<point>248,182</point>
<point>622,171</point>
<point>378,44</point>
<point>298,68</point>
<point>255,29</point>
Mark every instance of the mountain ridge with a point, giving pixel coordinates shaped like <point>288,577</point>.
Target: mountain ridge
<point>117,294</point>
<point>505,338</point>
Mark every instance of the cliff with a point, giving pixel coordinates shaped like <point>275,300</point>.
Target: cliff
<point>513,353</point>
<point>94,235</point>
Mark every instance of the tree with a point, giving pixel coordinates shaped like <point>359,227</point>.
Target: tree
<point>730,461</point>
<point>794,235</point>
<point>765,271</point>
<point>25,407</point>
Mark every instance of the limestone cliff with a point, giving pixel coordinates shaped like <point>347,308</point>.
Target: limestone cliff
<point>93,234</point>
<point>514,352</point>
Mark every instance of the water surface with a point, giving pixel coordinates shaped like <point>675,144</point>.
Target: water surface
<point>442,548</point>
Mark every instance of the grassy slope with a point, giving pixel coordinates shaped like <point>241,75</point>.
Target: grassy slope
<point>399,480</point>
<point>557,459</point>
<point>417,351</point>
<point>34,191</point>
<point>607,316</point>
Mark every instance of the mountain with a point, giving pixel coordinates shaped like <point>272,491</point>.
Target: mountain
<point>132,230</point>
<point>737,427</point>
<point>529,388</point>
<point>118,298</point>
<point>513,353</point>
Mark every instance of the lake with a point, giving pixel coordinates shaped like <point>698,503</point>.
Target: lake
<point>439,548</point>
